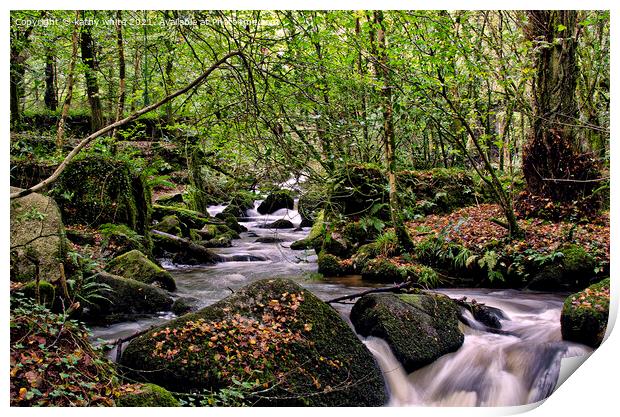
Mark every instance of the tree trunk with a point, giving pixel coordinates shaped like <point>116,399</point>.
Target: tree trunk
<point>120,107</point>
<point>50,98</point>
<point>552,165</point>
<point>69,96</point>
<point>404,239</point>
<point>19,42</point>
<point>87,47</point>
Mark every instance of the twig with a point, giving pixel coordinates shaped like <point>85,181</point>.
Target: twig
<point>400,286</point>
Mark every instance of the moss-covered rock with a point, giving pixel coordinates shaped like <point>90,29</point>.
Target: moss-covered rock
<point>136,265</point>
<point>170,200</point>
<point>439,190</point>
<point>221,241</point>
<point>169,224</point>
<point>119,239</point>
<point>418,327</point>
<point>383,270</point>
<point>331,265</point>
<point>97,190</point>
<point>146,395</point>
<point>275,201</point>
<point>356,189</point>
<point>315,237</point>
<point>272,332</point>
<point>189,218</point>
<point>126,297</point>
<point>572,270</point>
<point>37,237</point>
<point>585,315</point>
<point>46,291</point>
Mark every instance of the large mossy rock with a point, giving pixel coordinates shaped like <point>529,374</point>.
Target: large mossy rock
<point>135,265</point>
<point>585,314</point>
<point>439,190</point>
<point>418,327</point>
<point>37,237</point>
<point>146,395</point>
<point>272,332</point>
<point>275,201</point>
<point>356,189</point>
<point>573,270</point>
<point>127,297</point>
<point>315,237</point>
<point>189,219</point>
<point>96,190</point>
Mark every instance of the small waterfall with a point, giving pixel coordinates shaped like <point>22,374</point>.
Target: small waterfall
<point>517,367</point>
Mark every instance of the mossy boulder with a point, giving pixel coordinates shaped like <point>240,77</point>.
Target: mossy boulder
<point>418,327</point>
<point>37,238</point>
<point>572,270</point>
<point>170,200</point>
<point>170,224</point>
<point>356,189</point>
<point>277,200</point>
<point>136,265</point>
<point>47,292</point>
<point>190,219</point>
<point>585,315</point>
<point>332,266</point>
<point>126,298</point>
<point>439,190</point>
<point>383,270</point>
<point>145,395</point>
<point>119,239</point>
<point>271,332</point>
<point>221,241</point>
<point>315,237</point>
<point>95,190</point>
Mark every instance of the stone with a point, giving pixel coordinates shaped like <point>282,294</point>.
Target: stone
<point>305,352</point>
<point>418,327</point>
<point>135,265</point>
<point>37,236</point>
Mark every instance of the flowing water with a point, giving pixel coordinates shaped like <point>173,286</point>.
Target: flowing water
<point>518,366</point>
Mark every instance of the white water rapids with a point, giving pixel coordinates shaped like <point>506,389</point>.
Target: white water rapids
<point>516,368</point>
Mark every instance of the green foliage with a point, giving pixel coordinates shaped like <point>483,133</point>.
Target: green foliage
<point>53,362</point>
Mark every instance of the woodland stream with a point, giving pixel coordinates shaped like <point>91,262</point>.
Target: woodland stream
<point>516,366</point>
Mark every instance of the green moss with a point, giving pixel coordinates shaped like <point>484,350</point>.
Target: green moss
<point>311,349</point>
<point>330,265</point>
<point>576,260</point>
<point>147,395</point>
<point>97,190</point>
<point>275,201</point>
<point>169,224</point>
<point>585,314</point>
<point>135,265</point>
<point>47,292</point>
<point>315,237</point>
<point>189,218</point>
<point>126,298</point>
<point>123,239</point>
<point>418,327</point>
<point>382,270</point>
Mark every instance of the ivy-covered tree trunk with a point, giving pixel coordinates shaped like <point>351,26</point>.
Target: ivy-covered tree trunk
<point>552,165</point>
<point>404,240</point>
<point>50,99</point>
<point>19,43</point>
<point>87,47</point>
